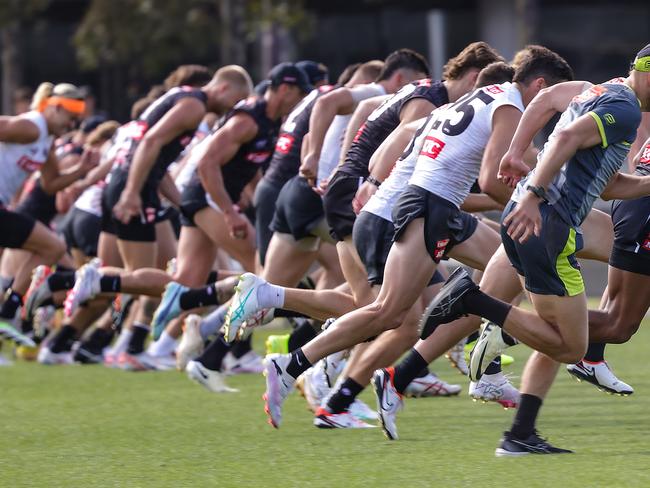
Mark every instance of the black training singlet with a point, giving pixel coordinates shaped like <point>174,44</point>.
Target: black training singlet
<point>286,158</point>
<point>384,119</point>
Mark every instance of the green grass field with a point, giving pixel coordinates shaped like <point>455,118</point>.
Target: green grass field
<point>93,427</point>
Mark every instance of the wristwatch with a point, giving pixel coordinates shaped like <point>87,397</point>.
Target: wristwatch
<point>373,180</point>
<point>538,191</point>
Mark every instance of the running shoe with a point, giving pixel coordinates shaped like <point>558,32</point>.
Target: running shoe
<point>495,388</point>
<point>324,419</point>
<point>447,305</point>
<point>277,344</point>
<point>9,332</point>
<point>86,355</point>
<point>44,320</point>
<point>456,356</point>
<point>86,286</point>
<point>169,308</point>
<point>506,360</point>
<point>389,401</point>
<point>249,363</point>
<point>38,291</point>
<point>278,386</point>
<point>489,346</point>
<point>601,376</point>
<point>362,411</point>
<point>111,359</point>
<point>533,444</point>
<point>212,380</point>
<point>120,309</point>
<point>243,305</point>
<point>46,356</point>
<point>191,344</point>
<point>259,318</point>
<point>314,386</point>
<point>430,386</point>
<point>333,365</point>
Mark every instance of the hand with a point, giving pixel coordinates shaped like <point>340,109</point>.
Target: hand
<point>129,206</point>
<point>365,191</point>
<point>89,159</point>
<point>512,169</point>
<point>237,223</point>
<point>525,220</point>
<point>321,188</point>
<point>309,168</point>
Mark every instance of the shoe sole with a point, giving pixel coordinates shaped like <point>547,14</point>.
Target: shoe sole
<point>579,377</point>
<point>503,453</point>
<point>271,386</point>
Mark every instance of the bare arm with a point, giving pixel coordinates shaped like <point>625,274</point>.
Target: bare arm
<point>18,130</point>
<point>626,187</point>
<point>480,202</point>
<point>168,189</point>
<point>52,180</point>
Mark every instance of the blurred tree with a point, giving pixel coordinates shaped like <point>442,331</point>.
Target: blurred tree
<point>13,14</point>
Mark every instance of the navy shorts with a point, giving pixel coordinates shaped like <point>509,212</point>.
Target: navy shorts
<point>445,225</point>
<point>631,251</point>
<point>298,209</point>
<point>548,263</point>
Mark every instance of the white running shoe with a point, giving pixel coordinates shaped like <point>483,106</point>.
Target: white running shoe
<point>456,356</point>
<point>489,346</point>
<point>191,344</point>
<point>430,386</point>
<point>324,419</point>
<point>333,365</point>
<point>212,380</point>
<point>495,388</point>
<point>278,386</point>
<point>243,305</point>
<point>360,410</point>
<point>46,356</point>
<point>86,286</point>
<point>389,401</point>
<point>315,386</point>
<point>601,376</point>
<point>44,320</point>
<point>135,362</point>
<point>249,363</point>
<point>38,291</point>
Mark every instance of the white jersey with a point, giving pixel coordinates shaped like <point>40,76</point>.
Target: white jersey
<point>331,152</point>
<point>18,161</point>
<point>450,159</point>
<point>383,201</point>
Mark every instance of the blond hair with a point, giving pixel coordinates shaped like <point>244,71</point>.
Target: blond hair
<point>235,76</point>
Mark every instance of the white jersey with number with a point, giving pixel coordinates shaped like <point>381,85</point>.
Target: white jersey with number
<point>450,158</point>
<point>18,161</point>
<point>331,152</point>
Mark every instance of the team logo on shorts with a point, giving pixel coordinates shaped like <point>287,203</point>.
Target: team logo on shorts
<point>439,252</point>
<point>431,147</point>
<point>609,118</point>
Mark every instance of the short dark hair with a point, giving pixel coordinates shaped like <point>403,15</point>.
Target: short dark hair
<point>476,55</point>
<point>495,74</point>
<point>403,59</point>
<point>188,75</point>
<point>541,62</point>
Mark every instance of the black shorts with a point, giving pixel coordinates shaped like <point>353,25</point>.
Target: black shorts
<point>298,209</point>
<point>373,238</point>
<point>139,229</point>
<point>548,263</point>
<point>337,203</point>
<point>15,228</point>
<point>38,205</point>
<point>192,201</point>
<point>266,194</point>
<point>444,224</point>
<point>81,230</point>
<point>631,251</point>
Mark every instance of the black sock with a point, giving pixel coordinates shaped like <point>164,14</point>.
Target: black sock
<point>239,348</point>
<point>213,277</point>
<point>283,312</point>
<point>407,370</point>
<point>26,326</point>
<point>342,398</point>
<point>199,297</point>
<point>61,280</point>
<point>10,306</point>
<point>110,283</point>
<point>98,340</point>
<point>298,364</point>
<point>423,372</point>
<point>213,355</point>
<point>595,352</point>
<point>62,340</point>
<point>494,367</point>
<point>483,305</point>
<point>301,335</point>
<point>136,344</point>
<point>524,423</point>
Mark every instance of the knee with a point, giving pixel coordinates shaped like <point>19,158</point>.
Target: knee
<point>54,251</point>
<point>572,354</point>
<point>385,315</point>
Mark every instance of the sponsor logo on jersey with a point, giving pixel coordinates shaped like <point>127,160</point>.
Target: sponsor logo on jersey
<point>431,147</point>
<point>357,136</point>
<point>284,144</point>
<point>29,165</point>
<point>494,89</point>
<point>645,155</point>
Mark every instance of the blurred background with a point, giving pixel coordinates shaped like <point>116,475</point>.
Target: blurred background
<point>118,48</point>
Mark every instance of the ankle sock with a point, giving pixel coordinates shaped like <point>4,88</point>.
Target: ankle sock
<point>140,333</point>
<point>213,355</point>
<point>298,363</point>
<point>344,396</point>
<point>199,297</point>
<point>408,369</point>
<point>110,284</point>
<point>241,347</point>
<point>523,424</point>
<point>595,353</point>
<point>483,305</point>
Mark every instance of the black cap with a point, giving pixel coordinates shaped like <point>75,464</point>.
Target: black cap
<point>260,88</point>
<point>290,74</point>
<point>89,124</point>
<point>316,72</point>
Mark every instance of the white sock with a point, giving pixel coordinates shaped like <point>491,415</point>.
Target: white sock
<point>270,296</point>
<point>164,346</point>
<point>213,322</point>
<point>122,341</point>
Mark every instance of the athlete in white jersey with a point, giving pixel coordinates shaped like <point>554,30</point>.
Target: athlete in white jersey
<point>25,147</point>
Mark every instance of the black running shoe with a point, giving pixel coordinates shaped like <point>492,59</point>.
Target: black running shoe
<point>534,444</point>
<point>447,305</point>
